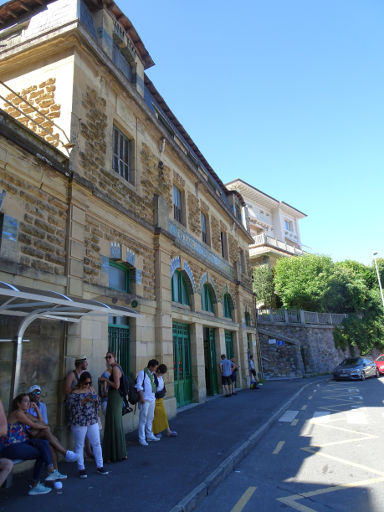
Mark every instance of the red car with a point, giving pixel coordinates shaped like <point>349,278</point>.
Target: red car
<point>380,364</point>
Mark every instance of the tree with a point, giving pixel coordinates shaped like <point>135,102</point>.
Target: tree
<point>263,286</point>
<point>304,282</point>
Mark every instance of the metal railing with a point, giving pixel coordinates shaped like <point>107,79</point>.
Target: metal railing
<point>264,239</point>
<point>299,316</point>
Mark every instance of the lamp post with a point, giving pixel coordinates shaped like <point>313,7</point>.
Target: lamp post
<point>378,277</point>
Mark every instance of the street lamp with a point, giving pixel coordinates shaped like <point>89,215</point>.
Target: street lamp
<point>378,278</point>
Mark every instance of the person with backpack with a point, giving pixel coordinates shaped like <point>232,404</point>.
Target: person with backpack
<point>146,384</point>
<point>114,447</point>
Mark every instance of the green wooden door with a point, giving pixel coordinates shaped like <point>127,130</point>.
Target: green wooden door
<point>210,361</point>
<point>229,344</point>
<point>182,364</point>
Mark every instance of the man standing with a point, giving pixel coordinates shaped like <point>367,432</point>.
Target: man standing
<point>71,380</point>
<point>6,465</point>
<point>146,386</point>
<point>226,368</point>
<point>252,372</point>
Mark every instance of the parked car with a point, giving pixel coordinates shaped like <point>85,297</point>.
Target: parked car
<point>380,363</point>
<point>356,368</point>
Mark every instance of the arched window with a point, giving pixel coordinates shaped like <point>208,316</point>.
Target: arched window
<point>227,306</point>
<point>180,292</point>
<point>207,299</point>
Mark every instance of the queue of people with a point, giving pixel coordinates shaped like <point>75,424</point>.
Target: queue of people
<point>26,434</point>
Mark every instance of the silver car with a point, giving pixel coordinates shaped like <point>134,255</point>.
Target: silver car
<point>358,368</point>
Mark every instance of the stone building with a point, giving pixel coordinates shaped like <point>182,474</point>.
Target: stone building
<point>108,203</point>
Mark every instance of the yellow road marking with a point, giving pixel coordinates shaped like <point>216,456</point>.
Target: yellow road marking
<point>304,407</point>
<point>294,422</point>
<point>279,446</point>
<point>292,500</point>
<point>244,499</point>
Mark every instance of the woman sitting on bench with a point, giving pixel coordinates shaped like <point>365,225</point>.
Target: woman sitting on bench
<point>18,445</point>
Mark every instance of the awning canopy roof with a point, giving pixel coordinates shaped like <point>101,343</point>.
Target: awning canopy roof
<point>21,301</point>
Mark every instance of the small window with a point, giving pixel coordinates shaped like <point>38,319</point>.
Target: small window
<point>237,211</point>
<point>207,299</point>
<point>204,232</point>
<point>289,225</point>
<point>177,204</point>
<point>223,239</point>
<point>122,158</point>
<point>180,288</point>
<point>242,261</point>
<point>227,306</point>
<point>247,318</point>
<point>119,276</point>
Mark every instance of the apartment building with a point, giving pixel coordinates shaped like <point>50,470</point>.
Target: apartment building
<point>116,232</point>
<point>273,224</point>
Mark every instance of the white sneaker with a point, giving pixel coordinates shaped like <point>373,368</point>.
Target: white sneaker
<point>143,443</point>
<point>39,489</point>
<point>153,438</point>
<point>71,456</point>
<point>51,477</point>
<point>58,475</point>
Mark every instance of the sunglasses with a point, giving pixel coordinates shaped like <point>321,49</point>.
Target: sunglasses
<point>35,392</point>
<point>108,357</point>
<point>88,383</point>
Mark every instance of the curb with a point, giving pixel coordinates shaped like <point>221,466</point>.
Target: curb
<point>210,483</point>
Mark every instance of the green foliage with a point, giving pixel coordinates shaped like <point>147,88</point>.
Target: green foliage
<point>304,282</point>
<point>316,283</point>
<point>263,285</point>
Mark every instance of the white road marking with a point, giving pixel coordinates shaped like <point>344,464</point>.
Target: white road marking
<point>288,416</point>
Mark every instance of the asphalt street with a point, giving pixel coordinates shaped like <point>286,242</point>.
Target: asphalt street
<point>175,473</point>
<point>323,454</point>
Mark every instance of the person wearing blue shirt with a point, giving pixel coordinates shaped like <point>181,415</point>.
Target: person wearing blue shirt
<point>38,407</point>
<point>226,369</point>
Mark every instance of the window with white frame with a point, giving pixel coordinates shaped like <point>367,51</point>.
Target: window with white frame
<point>122,155</point>
<point>288,225</point>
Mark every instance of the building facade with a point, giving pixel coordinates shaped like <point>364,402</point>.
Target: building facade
<point>274,225</point>
<point>117,206</point>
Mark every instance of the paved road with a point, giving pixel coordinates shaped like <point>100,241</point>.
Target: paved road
<point>170,474</point>
<point>324,454</point>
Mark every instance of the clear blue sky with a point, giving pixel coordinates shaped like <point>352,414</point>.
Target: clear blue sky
<point>287,95</point>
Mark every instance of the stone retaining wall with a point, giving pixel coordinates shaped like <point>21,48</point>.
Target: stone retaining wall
<point>306,349</point>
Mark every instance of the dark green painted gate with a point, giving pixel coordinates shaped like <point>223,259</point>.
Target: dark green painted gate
<point>182,364</point>
<point>210,361</point>
<point>229,344</point>
<point>118,343</point>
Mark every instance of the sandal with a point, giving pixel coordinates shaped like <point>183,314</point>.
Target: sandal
<point>172,434</point>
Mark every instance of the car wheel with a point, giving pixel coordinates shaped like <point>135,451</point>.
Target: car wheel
<point>362,375</point>
<point>377,373</point>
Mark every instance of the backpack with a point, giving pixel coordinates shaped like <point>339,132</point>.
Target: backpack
<point>133,394</point>
<point>124,392</point>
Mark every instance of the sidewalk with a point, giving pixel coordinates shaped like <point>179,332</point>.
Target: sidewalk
<point>173,474</point>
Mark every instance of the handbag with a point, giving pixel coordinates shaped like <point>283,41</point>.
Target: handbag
<point>161,393</point>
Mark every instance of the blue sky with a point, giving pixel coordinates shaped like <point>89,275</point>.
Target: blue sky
<point>287,95</point>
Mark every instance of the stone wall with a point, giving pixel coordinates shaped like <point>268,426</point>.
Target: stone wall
<point>39,105</point>
<point>306,350</point>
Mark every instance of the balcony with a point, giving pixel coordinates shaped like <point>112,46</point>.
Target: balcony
<point>264,241</point>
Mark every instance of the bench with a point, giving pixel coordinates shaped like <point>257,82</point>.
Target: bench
<point>8,482</point>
